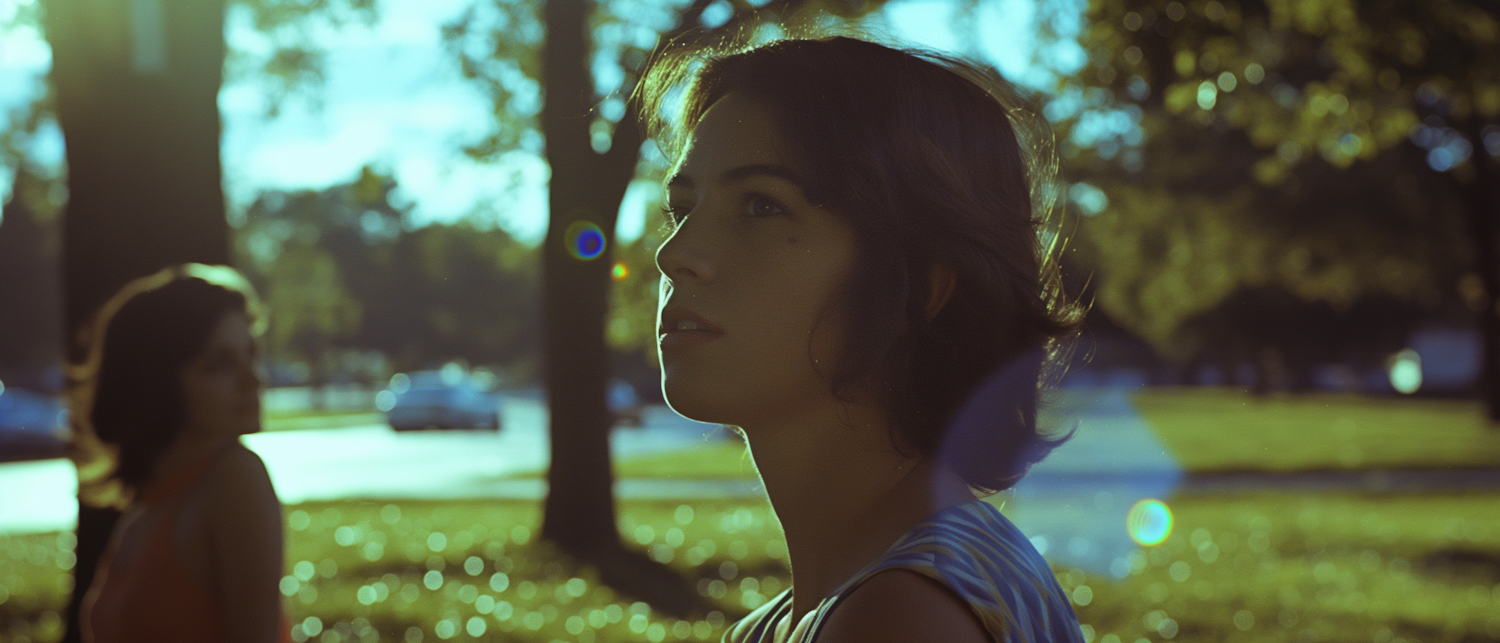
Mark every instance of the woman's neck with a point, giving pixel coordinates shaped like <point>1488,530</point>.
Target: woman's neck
<point>843,494</point>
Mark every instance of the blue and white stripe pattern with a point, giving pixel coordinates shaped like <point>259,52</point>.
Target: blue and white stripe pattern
<point>973,550</point>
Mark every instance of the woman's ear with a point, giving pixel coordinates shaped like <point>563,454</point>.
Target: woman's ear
<point>940,283</point>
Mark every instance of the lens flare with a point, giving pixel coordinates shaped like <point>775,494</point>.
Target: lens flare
<point>1149,522</point>
<point>585,240</point>
<point>620,272</point>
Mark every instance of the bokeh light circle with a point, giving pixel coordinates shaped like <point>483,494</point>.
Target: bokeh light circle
<point>1149,522</point>
<point>1406,372</point>
<point>585,240</point>
<point>620,272</point>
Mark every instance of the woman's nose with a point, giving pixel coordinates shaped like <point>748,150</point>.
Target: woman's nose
<point>683,258</point>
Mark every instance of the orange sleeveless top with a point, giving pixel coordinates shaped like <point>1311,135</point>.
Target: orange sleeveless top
<point>154,599</point>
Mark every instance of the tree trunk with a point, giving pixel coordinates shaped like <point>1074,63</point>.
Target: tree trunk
<point>587,186</point>
<point>1482,197</point>
<point>579,513</point>
<point>137,88</point>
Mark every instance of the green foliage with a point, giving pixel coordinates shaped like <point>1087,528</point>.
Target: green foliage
<point>308,296</point>
<point>1290,147</point>
<point>288,60</point>
<point>42,190</point>
<point>342,270</point>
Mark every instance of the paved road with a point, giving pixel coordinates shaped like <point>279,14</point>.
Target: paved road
<point>372,461</point>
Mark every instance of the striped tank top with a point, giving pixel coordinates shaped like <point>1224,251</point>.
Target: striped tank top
<point>977,553</point>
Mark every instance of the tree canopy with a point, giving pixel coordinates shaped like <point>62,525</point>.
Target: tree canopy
<point>1318,149</point>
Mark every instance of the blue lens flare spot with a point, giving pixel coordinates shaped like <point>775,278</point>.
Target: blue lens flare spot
<point>620,272</point>
<point>585,240</point>
<point>1149,522</point>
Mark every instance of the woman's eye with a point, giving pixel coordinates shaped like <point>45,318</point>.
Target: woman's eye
<point>763,206</point>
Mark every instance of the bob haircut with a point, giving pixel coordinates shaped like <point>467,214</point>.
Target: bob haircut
<point>920,154</point>
<point>141,341</point>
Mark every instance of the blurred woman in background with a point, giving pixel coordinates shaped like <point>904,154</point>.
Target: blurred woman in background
<point>172,385</point>
<point>855,280</point>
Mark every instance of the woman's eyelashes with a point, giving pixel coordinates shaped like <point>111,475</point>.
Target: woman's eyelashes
<point>760,205</point>
<point>755,205</point>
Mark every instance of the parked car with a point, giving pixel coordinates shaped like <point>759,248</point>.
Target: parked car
<point>33,426</point>
<point>624,403</point>
<point>443,403</point>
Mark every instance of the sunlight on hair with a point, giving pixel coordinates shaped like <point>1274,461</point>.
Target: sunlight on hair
<point>229,279</point>
<point>1149,522</point>
<point>96,460</point>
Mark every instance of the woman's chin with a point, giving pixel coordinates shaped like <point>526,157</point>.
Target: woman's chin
<point>696,406</point>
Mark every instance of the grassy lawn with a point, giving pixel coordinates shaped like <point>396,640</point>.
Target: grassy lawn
<point>1229,430</point>
<point>1300,567</point>
<point>317,419</point>
<point>1270,567</point>
<point>1210,430</point>
<point>717,460</point>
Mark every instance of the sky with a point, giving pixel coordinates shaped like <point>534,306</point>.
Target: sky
<point>395,100</point>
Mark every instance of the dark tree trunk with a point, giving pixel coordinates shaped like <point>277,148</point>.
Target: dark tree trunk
<point>579,514</point>
<point>1482,201</point>
<point>137,88</point>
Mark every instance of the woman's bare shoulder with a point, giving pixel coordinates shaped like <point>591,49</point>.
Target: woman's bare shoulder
<point>903,605</point>
<point>238,481</point>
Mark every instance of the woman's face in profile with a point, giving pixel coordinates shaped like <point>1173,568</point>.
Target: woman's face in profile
<point>221,388</point>
<point>754,258</point>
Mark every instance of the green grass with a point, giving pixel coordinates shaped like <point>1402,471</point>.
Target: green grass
<point>1230,430</point>
<point>724,459</point>
<point>1267,567</point>
<point>317,419</point>
<point>1210,430</point>
<point>1391,568</point>
<point>1284,567</point>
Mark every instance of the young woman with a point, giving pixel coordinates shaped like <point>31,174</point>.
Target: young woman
<point>198,555</point>
<point>854,280</point>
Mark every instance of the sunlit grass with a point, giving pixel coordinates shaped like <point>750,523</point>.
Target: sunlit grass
<point>722,459</point>
<point>317,419</point>
<point>1210,430</point>
<point>1285,567</point>
<point>1231,430</point>
<point>1263,567</point>
<point>451,569</point>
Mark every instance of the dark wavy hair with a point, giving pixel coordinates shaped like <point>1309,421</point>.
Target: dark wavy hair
<point>931,160</point>
<point>142,340</point>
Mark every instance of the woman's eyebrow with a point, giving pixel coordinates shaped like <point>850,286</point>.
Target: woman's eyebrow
<point>741,173</point>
